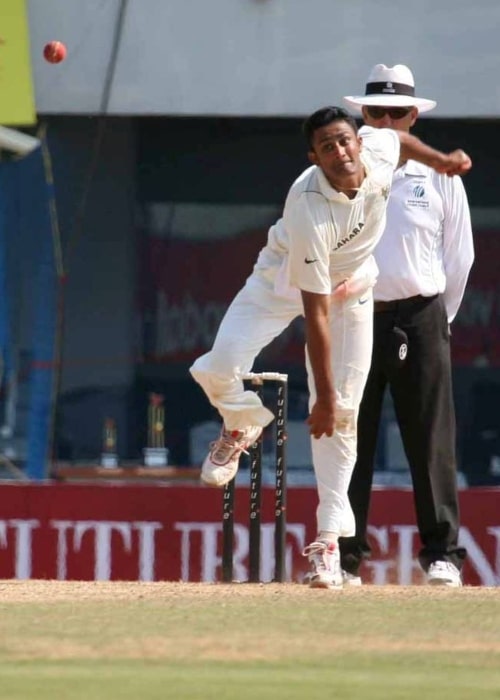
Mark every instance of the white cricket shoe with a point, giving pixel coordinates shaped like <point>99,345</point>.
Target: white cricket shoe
<point>324,558</point>
<point>221,463</point>
<point>444,573</point>
<point>351,579</point>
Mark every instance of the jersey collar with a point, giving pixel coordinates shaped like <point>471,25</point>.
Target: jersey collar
<point>412,167</point>
<point>330,193</point>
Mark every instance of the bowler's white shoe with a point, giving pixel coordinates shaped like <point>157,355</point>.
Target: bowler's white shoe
<point>444,573</point>
<point>351,579</point>
<point>221,463</point>
<point>324,558</point>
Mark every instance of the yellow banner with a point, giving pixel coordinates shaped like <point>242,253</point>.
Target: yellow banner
<point>17,104</point>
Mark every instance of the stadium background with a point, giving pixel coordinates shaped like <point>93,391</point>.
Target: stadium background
<point>172,143</point>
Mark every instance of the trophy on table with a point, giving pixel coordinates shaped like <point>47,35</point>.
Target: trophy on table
<point>109,457</point>
<point>156,454</point>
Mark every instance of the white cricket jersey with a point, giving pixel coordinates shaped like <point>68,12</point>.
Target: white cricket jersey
<point>427,246</point>
<point>323,233</point>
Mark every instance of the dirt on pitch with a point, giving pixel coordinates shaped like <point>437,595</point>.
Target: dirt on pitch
<point>181,621</point>
<point>51,591</point>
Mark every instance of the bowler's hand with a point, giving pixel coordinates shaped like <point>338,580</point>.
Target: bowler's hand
<point>341,291</point>
<point>352,287</point>
<point>458,163</point>
<point>321,420</point>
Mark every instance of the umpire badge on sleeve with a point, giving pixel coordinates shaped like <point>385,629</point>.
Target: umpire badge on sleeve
<point>398,347</point>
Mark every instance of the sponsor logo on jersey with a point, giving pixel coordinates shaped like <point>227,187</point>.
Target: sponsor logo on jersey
<point>357,229</point>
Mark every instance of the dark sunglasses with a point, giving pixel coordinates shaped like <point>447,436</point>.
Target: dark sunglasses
<point>393,112</point>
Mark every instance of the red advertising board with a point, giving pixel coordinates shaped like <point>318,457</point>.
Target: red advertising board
<point>187,285</point>
<point>476,330</point>
<point>160,532</point>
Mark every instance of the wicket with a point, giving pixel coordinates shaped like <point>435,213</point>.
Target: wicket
<point>256,382</point>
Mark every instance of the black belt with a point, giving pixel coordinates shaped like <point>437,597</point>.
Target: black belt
<point>399,304</point>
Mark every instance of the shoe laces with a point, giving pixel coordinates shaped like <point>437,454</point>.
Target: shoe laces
<point>227,445</point>
<point>319,552</point>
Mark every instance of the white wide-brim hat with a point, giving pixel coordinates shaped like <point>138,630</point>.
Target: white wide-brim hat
<point>390,87</point>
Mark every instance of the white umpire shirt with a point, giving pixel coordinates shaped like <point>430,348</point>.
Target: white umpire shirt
<point>427,246</point>
<point>323,234</point>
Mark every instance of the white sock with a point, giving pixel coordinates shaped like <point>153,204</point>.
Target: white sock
<point>327,536</point>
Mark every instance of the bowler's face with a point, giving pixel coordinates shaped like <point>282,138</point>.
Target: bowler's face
<point>336,149</point>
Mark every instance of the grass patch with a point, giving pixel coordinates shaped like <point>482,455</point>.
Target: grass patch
<point>148,641</point>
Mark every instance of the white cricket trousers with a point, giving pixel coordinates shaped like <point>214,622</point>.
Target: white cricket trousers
<point>257,316</point>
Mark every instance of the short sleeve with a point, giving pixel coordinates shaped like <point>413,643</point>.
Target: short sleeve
<point>309,245</point>
<point>381,144</point>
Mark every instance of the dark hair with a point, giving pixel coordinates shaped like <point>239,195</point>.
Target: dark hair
<point>323,117</point>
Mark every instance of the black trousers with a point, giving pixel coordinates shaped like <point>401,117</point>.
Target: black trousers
<point>421,389</point>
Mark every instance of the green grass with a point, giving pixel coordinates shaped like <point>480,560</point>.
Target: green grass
<point>148,641</point>
<point>344,676</point>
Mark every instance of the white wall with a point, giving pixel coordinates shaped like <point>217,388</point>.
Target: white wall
<point>263,57</point>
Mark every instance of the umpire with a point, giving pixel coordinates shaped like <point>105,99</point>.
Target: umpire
<point>424,258</point>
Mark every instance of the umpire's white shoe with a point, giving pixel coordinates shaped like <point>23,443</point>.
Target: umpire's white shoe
<point>324,558</point>
<point>351,579</point>
<point>444,573</point>
<point>221,463</point>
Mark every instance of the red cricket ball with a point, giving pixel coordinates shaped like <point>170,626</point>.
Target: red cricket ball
<point>54,52</point>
